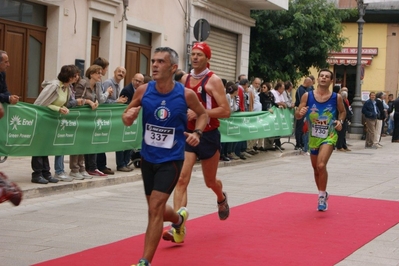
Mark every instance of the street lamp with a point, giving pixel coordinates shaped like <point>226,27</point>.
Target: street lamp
<point>357,126</point>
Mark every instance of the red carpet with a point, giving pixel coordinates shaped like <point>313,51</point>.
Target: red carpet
<point>284,229</point>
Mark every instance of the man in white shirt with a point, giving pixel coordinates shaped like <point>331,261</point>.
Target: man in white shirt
<point>287,94</point>
<point>254,105</point>
<point>280,101</point>
<point>278,95</point>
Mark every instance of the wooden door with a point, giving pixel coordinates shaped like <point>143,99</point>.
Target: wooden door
<point>131,64</point>
<point>138,60</point>
<point>95,50</point>
<point>1,35</point>
<point>25,46</point>
<point>35,64</point>
<point>16,47</point>
<point>145,60</point>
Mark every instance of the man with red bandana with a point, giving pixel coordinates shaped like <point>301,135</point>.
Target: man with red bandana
<point>210,91</point>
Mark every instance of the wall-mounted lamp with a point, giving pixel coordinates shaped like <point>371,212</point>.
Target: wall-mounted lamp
<point>125,5</point>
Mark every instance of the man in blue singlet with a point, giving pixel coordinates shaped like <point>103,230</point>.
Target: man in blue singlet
<point>325,113</point>
<point>164,105</point>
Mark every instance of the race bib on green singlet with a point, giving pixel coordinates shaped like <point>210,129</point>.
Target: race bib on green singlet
<point>320,127</point>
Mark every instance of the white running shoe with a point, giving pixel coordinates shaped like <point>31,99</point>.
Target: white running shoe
<point>86,175</point>
<point>77,176</point>
<point>322,204</point>
<point>63,177</point>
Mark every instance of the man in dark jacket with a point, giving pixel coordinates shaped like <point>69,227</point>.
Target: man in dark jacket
<point>390,110</point>
<point>5,95</point>
<point>380,118</point>
<point>341,142</point>
<point>307,83</point>
<point>370,112</point>
<point>128,90</point>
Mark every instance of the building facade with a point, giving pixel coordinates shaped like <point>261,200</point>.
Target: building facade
<point>40,36</point>
<point>380,49</point>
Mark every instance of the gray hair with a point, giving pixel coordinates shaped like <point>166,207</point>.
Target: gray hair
<point>1,55</point>
<point>344,94</point>
<point>379,95</point>
<point>174,57</point>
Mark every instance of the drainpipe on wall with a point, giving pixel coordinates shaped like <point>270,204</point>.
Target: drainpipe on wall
<point>188,35</point>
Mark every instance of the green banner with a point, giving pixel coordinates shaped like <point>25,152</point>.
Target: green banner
<point>256,125</point>
<point>31,130</point>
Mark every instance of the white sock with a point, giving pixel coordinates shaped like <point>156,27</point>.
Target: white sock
<point>322,193</point>
<point>180,221</point>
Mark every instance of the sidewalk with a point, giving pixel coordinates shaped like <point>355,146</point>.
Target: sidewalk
<point>18,169</point>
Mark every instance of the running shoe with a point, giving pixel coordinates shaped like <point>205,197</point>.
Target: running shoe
<point>63,177</point>
<point>142,262</point>
<point>85,175</point>
<point>9,190</point>
<point>322,203</point>
<point>77,175</point>
<point>232,156</point>
<point>96,172</point>
<point>223,208</point>
<point>179,232</point>
<point>167,234</point>
<point>246,154</point>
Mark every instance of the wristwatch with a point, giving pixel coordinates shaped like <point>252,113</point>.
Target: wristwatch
<point>198,131</point>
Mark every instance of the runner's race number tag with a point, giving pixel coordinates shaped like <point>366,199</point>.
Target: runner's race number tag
<point>161,137</point>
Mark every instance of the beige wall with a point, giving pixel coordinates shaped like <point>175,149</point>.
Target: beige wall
<point>170,22</point>
<point>392,66</point>
<point>374,35</point>
<point>65,42</point>
<point>164,19</point>
<point>69,33</point>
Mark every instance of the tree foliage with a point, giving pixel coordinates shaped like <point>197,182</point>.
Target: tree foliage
<point>285,44</point>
